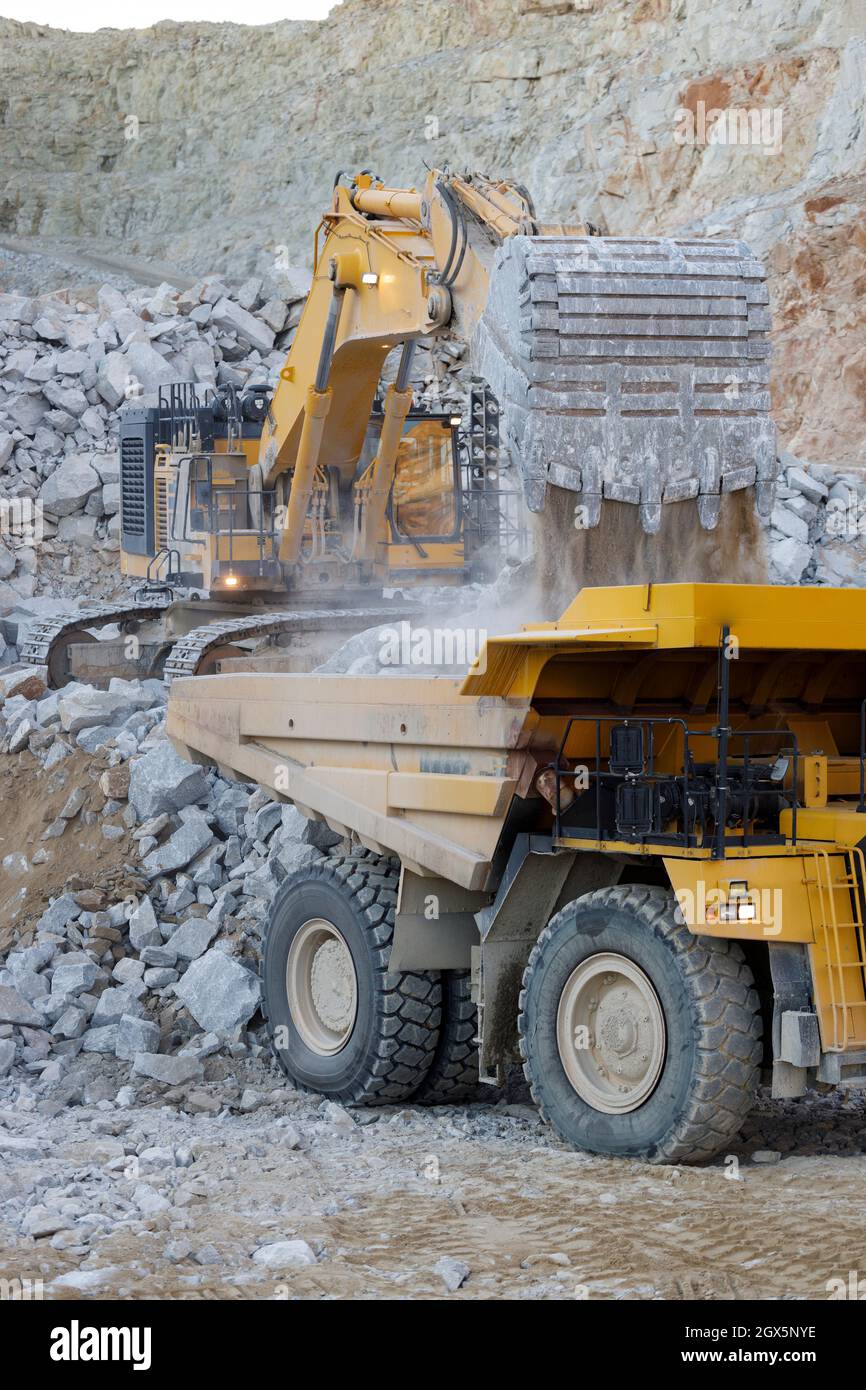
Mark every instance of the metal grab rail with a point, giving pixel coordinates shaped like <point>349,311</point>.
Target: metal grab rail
<point>688,781</point>
<point>259,506</point>
<point>833,930</point>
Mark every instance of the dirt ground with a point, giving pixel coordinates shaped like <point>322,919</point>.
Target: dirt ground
<point>380,1196</point>
<point>81,858</point>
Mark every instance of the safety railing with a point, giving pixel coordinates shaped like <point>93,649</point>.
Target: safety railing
<point>697,802</point>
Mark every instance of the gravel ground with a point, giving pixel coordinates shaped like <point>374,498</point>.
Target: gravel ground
<point>240,1187</point>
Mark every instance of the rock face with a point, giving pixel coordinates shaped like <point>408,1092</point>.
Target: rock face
<point>603,110</point>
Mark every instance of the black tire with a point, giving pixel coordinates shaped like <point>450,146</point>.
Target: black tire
<point>709,1073</point>
<point>453,1076</point>
<point>393,1041</point>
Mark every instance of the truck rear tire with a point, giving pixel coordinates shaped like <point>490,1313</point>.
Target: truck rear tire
<point>340,1022</point>
<point>638,1037</point>
<point>453,1076</point>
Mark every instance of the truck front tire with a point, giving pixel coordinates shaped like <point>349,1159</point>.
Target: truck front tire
<point>340,1022</point>
<point>638,1037</point>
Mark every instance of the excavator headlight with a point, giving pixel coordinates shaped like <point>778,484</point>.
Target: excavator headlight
<point>455,420</point>
<point>231,581</point>
<point>369,278</point>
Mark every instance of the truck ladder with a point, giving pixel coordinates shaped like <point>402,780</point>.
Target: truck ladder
<point>839,952</point>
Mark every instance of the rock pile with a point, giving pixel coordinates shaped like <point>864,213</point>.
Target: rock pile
<point>67,366</point>
<point>818,525</point>
<point>166,975</point>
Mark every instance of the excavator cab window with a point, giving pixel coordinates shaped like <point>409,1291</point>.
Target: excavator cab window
<point>425,493</point>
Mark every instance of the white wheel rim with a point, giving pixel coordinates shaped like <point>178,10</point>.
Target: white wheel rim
<point>322,987</point>
<point>610,1032</point>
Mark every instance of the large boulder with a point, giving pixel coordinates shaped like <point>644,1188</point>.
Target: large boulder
<point>219,992</point>
<point>164,781</point>
<point>148,368</point>
<point>231,317</point>
<point>70,485</point>
<point>112,379</point>
<point>86,708</point>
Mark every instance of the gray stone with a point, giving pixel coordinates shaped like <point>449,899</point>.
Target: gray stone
<point>789,558</point>
<point>162,781</point>
<point>7,1055</point>
<point>144,932</point>
<point>810,487</point>
<point>184,845</point>
<point>160,976</point>
<point>113,379</point>
<point>136,1035</point>
<point>14,1008</point>
<point>219,992</point>
<point>284,1254</point>
<point>453,1273</point>
<point>192,939</point>
<point>172,1071</point>
<point>789,523</point>
<point>128,970</point>
<point>86,708</point>
<point>101,1039</point>
<point>231,317</point>
<point>69,486</point>
<point>71,1023</point>
<point>74,975</point>
<point>115,1002</point>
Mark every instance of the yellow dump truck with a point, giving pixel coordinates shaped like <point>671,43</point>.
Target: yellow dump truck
<point>625,850</point>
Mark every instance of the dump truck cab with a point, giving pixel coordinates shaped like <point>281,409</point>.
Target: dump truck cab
<point>634,837</point>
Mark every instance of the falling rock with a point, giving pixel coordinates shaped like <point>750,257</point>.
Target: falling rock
<point>163,781</point>
<point>219,992</point>
<point>789,558</point>
<point>114,782</point>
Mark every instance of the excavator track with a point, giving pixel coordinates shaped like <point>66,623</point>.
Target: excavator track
<point>189,651</point>
<point>44,636</point>
<point>632,370</point>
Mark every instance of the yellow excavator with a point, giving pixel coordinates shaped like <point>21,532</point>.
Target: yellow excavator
<point>630,371</point>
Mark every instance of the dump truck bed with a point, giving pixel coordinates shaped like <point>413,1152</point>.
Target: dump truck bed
<point>408,764</point>
<point>430,768</point>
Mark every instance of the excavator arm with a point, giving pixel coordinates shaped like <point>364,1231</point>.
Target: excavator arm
<point>391,266</point>
<point>632,370</point>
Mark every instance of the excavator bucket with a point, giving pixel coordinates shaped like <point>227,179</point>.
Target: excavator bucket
<point>633,370</point>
